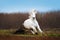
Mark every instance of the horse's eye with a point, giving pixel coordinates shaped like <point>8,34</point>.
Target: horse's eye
<point>33,17</point>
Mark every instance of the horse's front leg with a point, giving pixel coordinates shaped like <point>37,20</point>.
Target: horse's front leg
<point>38,27</point>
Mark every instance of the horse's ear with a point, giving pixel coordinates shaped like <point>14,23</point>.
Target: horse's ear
<point>34,11</point>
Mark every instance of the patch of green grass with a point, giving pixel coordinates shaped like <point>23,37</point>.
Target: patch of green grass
<point>11,31</point>
<point>54,35</point>
<point>6,32</point>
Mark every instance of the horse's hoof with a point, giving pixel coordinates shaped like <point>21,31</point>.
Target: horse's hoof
<point>36,33</point>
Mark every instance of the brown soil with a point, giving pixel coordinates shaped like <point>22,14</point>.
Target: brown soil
<point>28,38</point>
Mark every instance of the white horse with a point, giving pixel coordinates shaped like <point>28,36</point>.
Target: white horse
<point>32,23</point>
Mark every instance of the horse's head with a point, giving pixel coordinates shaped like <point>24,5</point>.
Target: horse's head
<point>32,14</point>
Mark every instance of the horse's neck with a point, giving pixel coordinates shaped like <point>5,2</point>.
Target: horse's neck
<point>32,19</point>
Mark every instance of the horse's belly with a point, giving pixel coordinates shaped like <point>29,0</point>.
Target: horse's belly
<point>28,24</point>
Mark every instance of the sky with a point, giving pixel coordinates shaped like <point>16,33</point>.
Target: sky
<point>26,5</point>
